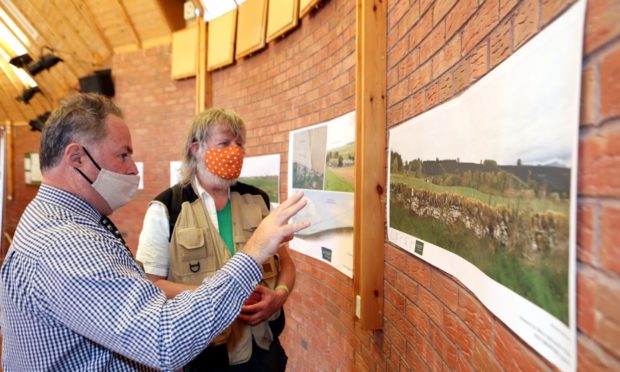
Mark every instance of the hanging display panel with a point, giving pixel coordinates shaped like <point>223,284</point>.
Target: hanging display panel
<point>484,187</point>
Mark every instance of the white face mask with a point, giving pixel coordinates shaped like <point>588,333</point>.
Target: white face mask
<point>115,188</point>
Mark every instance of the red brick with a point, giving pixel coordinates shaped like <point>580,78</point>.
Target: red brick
<point>599,163</point>
<point>483,359</point>
<point>414,105</point>
<point>421,77</point>
<point>585,234</point>
<point>418,270</point>
<point>551,8</point>
<point>432,95</point>
<point>601,23</point>
<point>447,56</point>
<point>445,348</point>
<point>418,318</point>
<point>445,88</point>
<point>396,257</point>
<point>446,290</point>
<point>505,6</point>
<point>478,61</point>
<point>479,26</point>
<point>526,21</point>
<point>610,244</point>
<point>461,76</point>
<point>408,64</point>
<point>440,9</point>
<point>458,333</point>
<point>608,336</point>
<point>396,12</point>
<point>476,317</point>
<point>433,42</point>
<point>430,306</point>
<point>394,297</point>
<point>610,82</point>
<point>410,19</point>
<point>586,305</point>
<point>589,89</point>
<point>459,15</point>
<point>421,30</point>
<point>512,355</point>
<point>501,43</point>
<point>592,358</point>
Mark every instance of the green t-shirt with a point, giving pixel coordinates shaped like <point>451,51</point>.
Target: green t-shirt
<point>224,221</point>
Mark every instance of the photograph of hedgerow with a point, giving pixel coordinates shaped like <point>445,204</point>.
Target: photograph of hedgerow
<point>511,221</point>
<point>493,187</point>
<point>309,158</point>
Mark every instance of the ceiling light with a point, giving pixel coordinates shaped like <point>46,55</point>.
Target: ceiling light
<point>21,61</point>
<point>27,94</point>
<point>38,123</point>
<point>44,63</point>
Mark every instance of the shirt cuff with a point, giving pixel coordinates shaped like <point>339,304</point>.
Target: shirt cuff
<point>245,270</point>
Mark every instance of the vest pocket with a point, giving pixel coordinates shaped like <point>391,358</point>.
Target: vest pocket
<point>192,243</point>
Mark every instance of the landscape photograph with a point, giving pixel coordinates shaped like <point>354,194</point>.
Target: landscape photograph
<point>489,176</point>
<point>340,159</point>
<point>308,152</point>
<point>263,172</point>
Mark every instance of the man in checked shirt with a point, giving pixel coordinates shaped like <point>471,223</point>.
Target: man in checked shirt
<point>73,297</point>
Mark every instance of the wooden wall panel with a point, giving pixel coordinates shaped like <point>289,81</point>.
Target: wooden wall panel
<point>251,27</point>
<point>282,17</point>
<point>221,40</point>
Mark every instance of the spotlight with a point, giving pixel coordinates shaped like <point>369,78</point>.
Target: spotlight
<point>27,94</point>
<point>44,63</point>
<point>38,123</point>
<point>21,61</point>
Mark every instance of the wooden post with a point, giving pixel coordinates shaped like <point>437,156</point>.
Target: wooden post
<point>9,160</point>
<point>203,77</point>
<point>370,160</point>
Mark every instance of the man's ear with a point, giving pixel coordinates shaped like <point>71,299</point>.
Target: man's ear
<point>193,149</point>
<point>73,155</point>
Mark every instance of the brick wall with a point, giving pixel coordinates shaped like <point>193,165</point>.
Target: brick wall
<point>24,140</point>
<point>305,78</point>
<point>158,111</point>
<point>436,50</point>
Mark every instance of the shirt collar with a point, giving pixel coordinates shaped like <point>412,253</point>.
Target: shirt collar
<point>67,200</point>
<point>201,191</point>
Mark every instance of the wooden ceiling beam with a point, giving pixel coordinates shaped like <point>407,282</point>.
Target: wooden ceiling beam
<point>89,17</point>
<point>64,47</point>
<point>172,11</point>
<point>86,45</point>
<point>129,23</point>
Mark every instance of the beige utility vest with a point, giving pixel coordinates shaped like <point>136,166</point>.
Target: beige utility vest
<point>197,251</point>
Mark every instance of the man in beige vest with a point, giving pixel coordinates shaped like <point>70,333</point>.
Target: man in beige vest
<point>195,227</point>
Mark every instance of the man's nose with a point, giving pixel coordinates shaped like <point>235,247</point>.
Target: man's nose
<point>133,169</point>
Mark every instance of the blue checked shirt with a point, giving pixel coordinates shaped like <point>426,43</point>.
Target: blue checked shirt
<point>73,298</point>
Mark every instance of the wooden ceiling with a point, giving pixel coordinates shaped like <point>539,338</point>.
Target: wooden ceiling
<point>85,34</point>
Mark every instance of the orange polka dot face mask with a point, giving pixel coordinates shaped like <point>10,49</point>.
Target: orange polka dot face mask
<point>225,162</point>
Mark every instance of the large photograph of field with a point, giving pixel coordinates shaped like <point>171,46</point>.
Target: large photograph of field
<point>483,187</point>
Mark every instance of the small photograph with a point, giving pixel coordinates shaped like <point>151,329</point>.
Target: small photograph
<point>309,158</point>
<point>263,172</point>
<point>340,158</point>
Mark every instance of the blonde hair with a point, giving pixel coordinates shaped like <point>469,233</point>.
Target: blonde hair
<point>199,132</point>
